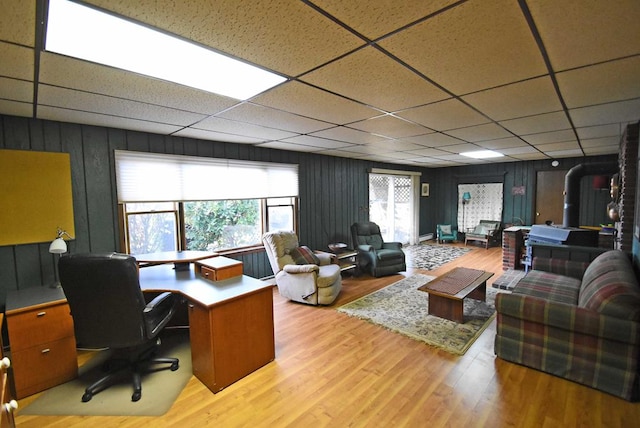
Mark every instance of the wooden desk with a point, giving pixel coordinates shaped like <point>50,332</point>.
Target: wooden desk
<point>43,345</point>
<point>180,259</point>
<point>231,322</point>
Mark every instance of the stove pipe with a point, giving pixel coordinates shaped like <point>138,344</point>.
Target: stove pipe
<point>571,214</point>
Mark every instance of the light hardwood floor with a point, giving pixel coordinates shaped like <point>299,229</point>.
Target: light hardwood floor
<point>333,370</point>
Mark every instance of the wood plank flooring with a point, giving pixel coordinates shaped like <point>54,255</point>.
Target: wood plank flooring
<point>333,370</point>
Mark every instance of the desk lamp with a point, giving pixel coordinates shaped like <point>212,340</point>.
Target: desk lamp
<point>58,246</point>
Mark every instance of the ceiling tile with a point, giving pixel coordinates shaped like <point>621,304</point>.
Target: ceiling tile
<point>621,112</point>
<point>507,102</point>
<point>584,86</point>
<point>323,143</point>
<point>434,139</point>
<point>488,131</point>
<point>553,147</point>
<point>93,103</point>
<point>430,152</point>
<point>344,133</point>
<point>281,145</point>
<point>16,61</point>
<point>536,124</point>
<point>68,72</point>
<point>613,130</point>
<point>502,143</point>
<point>603,141</point>
<point>240,128</point>
<point>550,137</point>
<point>519,150</point>
<point>579,32</point>
<point>307,101</point>
<point>87,118</point>
<point>16,90</point>
<point>397,145</point>
<point>375,19</point>
<point>368,149</point>
<point>390,126</point>
<point>256,31</point>
<point>444,115</point>
<point>492,43</point>
<point>271,117</point>
<point>16,108</point>
<point>18,22</point>
<point>216,136</point>
<point>371,77</point>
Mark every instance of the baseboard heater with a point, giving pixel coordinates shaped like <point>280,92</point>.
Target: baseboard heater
<point>427,237</point>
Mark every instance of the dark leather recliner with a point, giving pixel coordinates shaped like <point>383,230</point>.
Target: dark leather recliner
<point>109,311</point>
<point>375,256</point>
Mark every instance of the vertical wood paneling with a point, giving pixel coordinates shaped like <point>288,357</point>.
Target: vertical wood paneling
<point>333,191</point>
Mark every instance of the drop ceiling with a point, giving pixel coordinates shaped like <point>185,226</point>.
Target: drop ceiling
<point>405,82</point>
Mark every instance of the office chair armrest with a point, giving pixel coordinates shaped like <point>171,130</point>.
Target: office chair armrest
<point>158,301</point>
<point>300,268</point>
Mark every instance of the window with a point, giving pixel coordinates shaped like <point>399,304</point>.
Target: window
<point>202,215</point>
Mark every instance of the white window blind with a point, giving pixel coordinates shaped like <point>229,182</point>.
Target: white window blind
<point>153,177</point>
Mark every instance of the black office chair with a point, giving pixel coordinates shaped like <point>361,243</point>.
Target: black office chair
<point>109,311</point>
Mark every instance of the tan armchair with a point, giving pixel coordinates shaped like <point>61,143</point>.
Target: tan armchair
<point>301,274</point>
<point>487,231</point>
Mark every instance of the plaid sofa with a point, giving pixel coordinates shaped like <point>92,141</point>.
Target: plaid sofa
<point>575,320</point>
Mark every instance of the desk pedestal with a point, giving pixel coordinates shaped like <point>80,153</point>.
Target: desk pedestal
<point>232,339</point>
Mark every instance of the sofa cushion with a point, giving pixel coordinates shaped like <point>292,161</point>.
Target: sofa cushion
<point>303,256</point>
<point>549,286</point>
<point>328,275</point>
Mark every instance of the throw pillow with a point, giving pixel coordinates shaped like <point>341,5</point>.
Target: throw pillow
<point>445,229</point>
<point>304,256</point>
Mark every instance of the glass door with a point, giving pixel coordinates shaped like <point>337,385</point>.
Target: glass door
<point>391,206</point>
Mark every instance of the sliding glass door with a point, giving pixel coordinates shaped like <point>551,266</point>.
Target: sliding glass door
<point>391,206</point>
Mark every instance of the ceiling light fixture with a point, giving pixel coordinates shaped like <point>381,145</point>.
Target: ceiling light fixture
<point>482,154</point>
<point>89,34</point>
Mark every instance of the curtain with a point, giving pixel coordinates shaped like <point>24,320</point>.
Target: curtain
<point>485,204</point>
<point>153,177</point>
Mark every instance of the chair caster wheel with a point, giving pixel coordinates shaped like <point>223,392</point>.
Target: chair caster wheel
<point>174,366</point>
<point>86,397</point>
<point>136,396</point>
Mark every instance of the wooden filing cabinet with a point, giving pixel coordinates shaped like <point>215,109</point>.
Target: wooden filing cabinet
<point>219,268</point>
<point>42,341</point>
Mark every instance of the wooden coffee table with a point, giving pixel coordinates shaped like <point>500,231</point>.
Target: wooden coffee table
<point>448,291</point>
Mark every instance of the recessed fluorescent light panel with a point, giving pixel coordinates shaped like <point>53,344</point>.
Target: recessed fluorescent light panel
<point>86,33</point>
<point>482,154</point>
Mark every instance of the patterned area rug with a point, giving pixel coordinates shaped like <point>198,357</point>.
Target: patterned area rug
<point>431,256</point>
<point>402,308</point>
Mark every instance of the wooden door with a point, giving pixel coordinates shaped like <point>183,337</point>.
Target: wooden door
<point>550,196</point>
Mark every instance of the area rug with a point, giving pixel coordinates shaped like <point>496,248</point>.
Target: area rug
<point>159,388</point>
<point>508,279</point>
<point>430,256</point>
<point>402,308</point>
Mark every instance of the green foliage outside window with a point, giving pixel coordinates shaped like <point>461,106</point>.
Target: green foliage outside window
<point>215,225</point>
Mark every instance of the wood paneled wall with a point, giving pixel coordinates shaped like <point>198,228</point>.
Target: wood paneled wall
<point>333,191</point>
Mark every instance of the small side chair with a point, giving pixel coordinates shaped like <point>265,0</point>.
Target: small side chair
<point>445,233</point>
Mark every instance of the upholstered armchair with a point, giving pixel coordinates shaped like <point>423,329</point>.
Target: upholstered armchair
<point>444,233</point>
<point>377,257</point>
<point>487,231</point>
<point>302,275</point>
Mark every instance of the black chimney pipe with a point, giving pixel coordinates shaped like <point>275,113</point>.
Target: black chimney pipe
<point>571,214</point>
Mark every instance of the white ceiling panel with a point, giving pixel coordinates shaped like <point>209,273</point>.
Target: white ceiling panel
<point>492,43</point>
<point>386,84</point>
<point>506,102</point>
<point>578,32</point>
<point>435,77</point>
<point>88,118</point>
<point>116,107</point>
<point>391,127</point>
<point>445,115</point>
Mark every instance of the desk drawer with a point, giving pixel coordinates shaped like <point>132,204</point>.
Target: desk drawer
<point>41,325</point>
<point>219,268</point>
<point>43,366</point>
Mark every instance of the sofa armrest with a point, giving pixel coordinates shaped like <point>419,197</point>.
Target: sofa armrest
<point>566,317</point>
<point>570,268</point>
<point>300,268</point>
<point>392,245</point>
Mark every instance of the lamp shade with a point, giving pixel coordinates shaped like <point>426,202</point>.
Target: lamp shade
<point>466,196</point>
<point>58,246</point>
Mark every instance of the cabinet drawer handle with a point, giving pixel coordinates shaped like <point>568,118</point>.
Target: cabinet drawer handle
<point>41,314</point>
<point>46,351</point>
